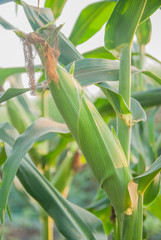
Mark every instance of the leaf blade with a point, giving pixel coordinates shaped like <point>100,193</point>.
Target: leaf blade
<point>21,147</point>
<point>90,21</point>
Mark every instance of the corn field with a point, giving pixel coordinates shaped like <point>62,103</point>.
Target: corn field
<point>45,140</point>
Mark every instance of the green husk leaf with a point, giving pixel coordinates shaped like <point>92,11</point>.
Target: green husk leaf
<point>83,224</point>
<point>103,146</point>
<point>21,147</point>
<point>91,20</point>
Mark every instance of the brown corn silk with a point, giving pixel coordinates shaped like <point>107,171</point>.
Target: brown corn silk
<point>47,50</point>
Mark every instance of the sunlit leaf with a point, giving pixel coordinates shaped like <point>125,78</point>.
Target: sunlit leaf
<point>150,8</point>
<point>100,52</point>
<point>123,22</point>
<point>90,21</point>
<point>56,6</point>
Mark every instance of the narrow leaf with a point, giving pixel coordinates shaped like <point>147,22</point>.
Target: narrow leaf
<point>146,178</point>
<point>6,72</point>
<point>91,20</point>
<point>68,52</point>
<point>72,221</point>
<point>123,22</point>
<point>56,6</point>
<point>11,93</point>
<point>21,147</point>
<point>152,191</point>
<point>100,52</point>
<point>83,224</point>
<point>130,117</point>
<point>6,1</point>
<point>91,71</point>
<point>150,8</point>
<point>152,76</point>
<point>143,32</point>
<point>155,206</point>
<point>6,25</point>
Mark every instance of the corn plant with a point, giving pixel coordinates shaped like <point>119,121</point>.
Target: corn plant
<point>107,151</point>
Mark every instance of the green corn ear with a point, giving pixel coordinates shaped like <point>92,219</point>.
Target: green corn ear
<point>99,145</point>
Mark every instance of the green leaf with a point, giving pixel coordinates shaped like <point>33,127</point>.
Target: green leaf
<point>18,121</point>
<point>11,93</point>
<point>6,72</point>
<point>143,32</point>
<point>150,8</point>
<point>91,20</point>
<point>56,6</point>
<point>3,156</point>
<point>6,25</point>
<point>123,22</point>
<point>155,206</point>
<point>91,71</point>
<point>152,57</point>
<point>21,147</point>
<point>68,52</point>
<point>118,103</point>
<point>151,131</point>
<point>152,76</point>
<point>149,98</point>
<point>152,191</point>
<point>63,173</point>
<point>83,224</point>
<point>66,215</point>
<point>100,52</point>
<point>146,178</point>
<point>6,1</point>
